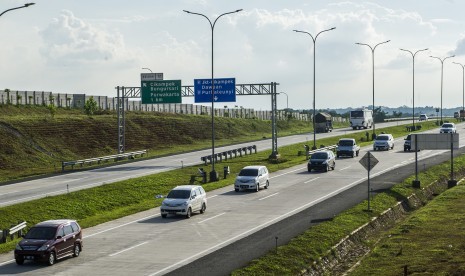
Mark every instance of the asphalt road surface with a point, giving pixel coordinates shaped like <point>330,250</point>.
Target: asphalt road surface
<point>236,227</point>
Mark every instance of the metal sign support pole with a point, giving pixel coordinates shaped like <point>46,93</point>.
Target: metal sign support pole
<point>369,168</point>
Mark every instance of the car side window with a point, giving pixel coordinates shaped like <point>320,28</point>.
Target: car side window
<point>75,227</point>
<point>61,232</point>
<point>68,229</point>
<point>193,193</point>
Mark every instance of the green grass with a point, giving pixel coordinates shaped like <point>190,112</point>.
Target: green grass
<point>32,142</point>
<point>429,242</point>
<point>108,202</point>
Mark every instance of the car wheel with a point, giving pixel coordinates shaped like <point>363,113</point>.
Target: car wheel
<point>327,168</point>
<point>77,250</point>
<point>164,215</point>
<point>338,156</point>
<point>257,187</point>
<point>189,213</point>
<point>334,166</point>
<point>204,207</point>
<point>267,184</point>
<point>358,153</point>
<point>19,260</point>
<point>309,169</point>
<point>353,154</point>
<point>236,190</point>
<point>392,147</point>
<point>51,258</point>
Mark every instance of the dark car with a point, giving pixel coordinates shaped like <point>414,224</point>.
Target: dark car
<point>49,241</point>
<point>322,160</point>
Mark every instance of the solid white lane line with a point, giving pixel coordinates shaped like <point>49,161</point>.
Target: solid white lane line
<point>127,249</point>
<point>7,262</point>
<point>211,218</point>
<point>344,168</point>
<point>268,196</point>
<point>212,196</point>
<point>311,180</point>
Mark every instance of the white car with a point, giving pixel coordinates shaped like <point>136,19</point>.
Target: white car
<point>423,117</point>
<point>252,178</point>
<point>383,142</point>
<point>184,200</point>
<point>448,128</point>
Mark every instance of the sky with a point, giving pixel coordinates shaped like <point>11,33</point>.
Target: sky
<point>92,46</point>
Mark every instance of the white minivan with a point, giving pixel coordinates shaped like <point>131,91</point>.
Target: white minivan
<point>184,200</point>
<point>252,178</point>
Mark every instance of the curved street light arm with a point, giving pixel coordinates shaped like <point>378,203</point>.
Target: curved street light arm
<point>25,6</point>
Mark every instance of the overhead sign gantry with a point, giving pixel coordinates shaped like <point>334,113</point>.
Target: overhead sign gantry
<point>124,92</point>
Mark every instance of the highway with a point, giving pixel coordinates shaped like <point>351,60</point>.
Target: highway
<point>63,183</point>
<point>146,244</point>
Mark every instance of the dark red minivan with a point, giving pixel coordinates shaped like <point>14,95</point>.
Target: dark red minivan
<point>49,241</point>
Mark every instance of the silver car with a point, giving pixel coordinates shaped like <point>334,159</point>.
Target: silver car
<point>383,142</point>
<point>184,200</point>
<point>252,178</point>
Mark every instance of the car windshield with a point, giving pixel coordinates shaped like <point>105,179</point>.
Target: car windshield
<point>447,126</point>
<point>179,194</point>
<point>320,155</point>
<point>248,172</point>
<point>382,137</point>
<point>346,143</point>
<point>41,233</point>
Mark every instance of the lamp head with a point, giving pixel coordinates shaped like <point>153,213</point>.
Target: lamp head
<point>29,4</point>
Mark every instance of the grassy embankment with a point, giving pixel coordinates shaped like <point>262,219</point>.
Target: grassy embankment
<point>32,142</point>
<point>108,202</point>
<point>430,242</point>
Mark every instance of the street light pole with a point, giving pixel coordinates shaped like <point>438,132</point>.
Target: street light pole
<point>442,76</point>
<point>463,90</point>
<point>413,83</point>
<point>25,6</point>
<point>147,69</point>
<point>314,56</point>
<point>213,173</point>
<point>373,74</point>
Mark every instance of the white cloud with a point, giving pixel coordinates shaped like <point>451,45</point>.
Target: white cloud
<point>70,40</point>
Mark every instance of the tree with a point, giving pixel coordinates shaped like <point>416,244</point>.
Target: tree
<point>90,106</point>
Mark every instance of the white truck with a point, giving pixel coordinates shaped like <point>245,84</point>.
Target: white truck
<point>362,118</point>
<point>347,147</point>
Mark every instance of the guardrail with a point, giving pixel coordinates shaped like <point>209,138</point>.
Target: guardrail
<point>11,232</point>
<point>229,153</point>
<point>98,160</point>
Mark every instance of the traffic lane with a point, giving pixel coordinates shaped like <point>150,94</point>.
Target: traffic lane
<point>240,253</point>
<point>243,202</point>
<point>98,250</point>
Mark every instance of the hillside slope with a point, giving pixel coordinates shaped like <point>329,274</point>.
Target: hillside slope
<point>33,142</point>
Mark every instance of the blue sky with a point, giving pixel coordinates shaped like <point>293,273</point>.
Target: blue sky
<point>93,46</point>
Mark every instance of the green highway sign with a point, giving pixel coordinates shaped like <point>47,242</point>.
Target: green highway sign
<point>161,91</point>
